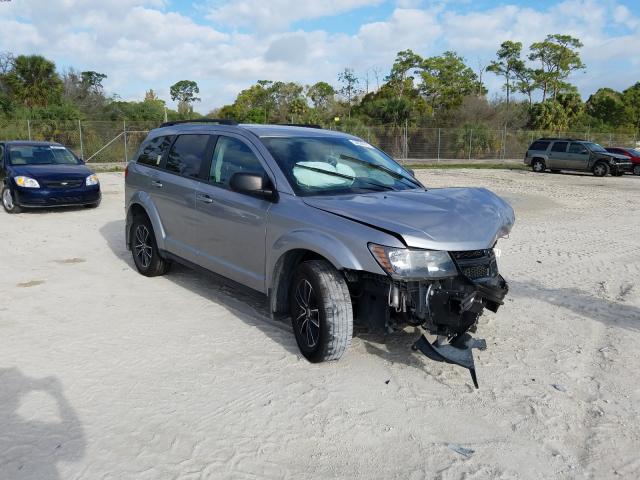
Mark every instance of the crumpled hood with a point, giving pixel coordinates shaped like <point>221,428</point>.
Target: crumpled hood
<point>451,219</point>
<point>616,156</point>
<point>52,172</point>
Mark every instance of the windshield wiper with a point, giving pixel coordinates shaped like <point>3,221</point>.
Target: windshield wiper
<point>346,177</point>
<point>396,175</point>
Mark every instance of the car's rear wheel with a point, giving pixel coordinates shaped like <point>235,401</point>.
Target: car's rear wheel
<point>8,202</point>
<point>321,311</point>
<point>145,250</point>
<point>600,169</point>
<point>538,165</point>
<point>636,170</point>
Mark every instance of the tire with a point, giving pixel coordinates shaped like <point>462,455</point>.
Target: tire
<point>145,250</point>
<point>8,201</point>
<point>538,165</point>
<point>319,292</point>
<point>636,169</point>
<point>554,170</point>
<point>600,169</point>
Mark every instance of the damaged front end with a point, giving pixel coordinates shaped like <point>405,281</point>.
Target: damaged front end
<point>445,294</point>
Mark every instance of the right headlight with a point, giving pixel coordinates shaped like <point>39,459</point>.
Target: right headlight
<point>411,263</point>
<point>26,182</point>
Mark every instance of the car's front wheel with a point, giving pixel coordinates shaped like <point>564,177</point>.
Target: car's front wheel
<point>321,311</point>
<point>145,250</point>
<point>8,202</point>
<point>636,170</point>
<point>600,169</point>
<point>538,165</point>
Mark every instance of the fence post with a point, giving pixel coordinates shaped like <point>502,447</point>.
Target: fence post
<point>406,140</point>
<point>470,142</point>
<point>438,145</point>
<point>124,132</point>
<point>29,128</point>
<point>81,144</point>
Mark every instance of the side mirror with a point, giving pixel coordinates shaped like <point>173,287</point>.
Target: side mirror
<point>253,184</point>
<point>411,171</point>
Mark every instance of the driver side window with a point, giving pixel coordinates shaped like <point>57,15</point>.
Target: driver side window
<point>232,156</point>
<point>577,148</point>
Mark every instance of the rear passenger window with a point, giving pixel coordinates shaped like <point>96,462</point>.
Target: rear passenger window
<point>559,147</point>
<point>539,145</point>
<point>152,150</point>
<point>232,156</point>
<point>187,154</point>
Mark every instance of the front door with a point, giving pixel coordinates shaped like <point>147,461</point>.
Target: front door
<point>173,190</point>
<point>577,157</point>
<point>231,226</point>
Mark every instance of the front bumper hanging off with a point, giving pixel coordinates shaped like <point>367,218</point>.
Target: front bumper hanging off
<point>458,352</point>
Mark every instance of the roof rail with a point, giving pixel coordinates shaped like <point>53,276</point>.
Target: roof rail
<point>563,139</point>
<point>218,121</point>
<point>305,125</point>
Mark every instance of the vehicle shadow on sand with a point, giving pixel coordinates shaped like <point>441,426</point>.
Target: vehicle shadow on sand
<point>248,305</point>
<point>30,447</point>
<point>614,313</point>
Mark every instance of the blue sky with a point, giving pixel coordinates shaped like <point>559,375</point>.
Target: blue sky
<point>228,45</point>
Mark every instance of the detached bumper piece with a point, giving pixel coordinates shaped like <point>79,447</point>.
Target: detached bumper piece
<point>458,352</point>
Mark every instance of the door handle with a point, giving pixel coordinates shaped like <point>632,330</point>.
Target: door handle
<point>156,184</point>
<point>204,198</point>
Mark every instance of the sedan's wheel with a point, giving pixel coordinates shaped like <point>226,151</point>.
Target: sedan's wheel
<point>538,165</point>
<point>636,170</point>
<point>144,249</point>
<point>600,169</point>
<point>7,201</point>
<point>321,311</point>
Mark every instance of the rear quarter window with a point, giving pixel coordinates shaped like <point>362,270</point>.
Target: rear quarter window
<point>152,150</point>
<point>538,145</point>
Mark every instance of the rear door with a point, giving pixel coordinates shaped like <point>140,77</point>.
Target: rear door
<point>577,157</point>
<point>173,190</point>
<point>558,155</point>
<point>231,226</point>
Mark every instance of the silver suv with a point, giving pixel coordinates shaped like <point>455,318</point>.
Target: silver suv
<point>558,154</point>
<point>328,226</point>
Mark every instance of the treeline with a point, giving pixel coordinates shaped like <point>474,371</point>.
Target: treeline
<point>437,91</point>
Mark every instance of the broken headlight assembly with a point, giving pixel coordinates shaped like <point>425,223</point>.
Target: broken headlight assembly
<point>408,263</point>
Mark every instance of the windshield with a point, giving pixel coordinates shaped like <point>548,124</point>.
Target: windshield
<point>634,152</point>
<point>594,147</point>
<point>41,155</point>
<point>336,165</point>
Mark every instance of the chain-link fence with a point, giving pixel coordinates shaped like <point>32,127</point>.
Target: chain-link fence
<point>117,141</point>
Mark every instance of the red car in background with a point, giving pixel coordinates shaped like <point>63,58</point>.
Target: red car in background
<point>632,153</point>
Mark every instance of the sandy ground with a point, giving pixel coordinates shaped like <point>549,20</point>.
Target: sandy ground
<point>105,374</point>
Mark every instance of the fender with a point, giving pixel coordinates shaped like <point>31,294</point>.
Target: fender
<point>144,200</point>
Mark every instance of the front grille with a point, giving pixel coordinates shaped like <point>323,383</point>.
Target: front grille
<point>63,184</point>
<point>476,264</point>
<point>65,200</point>
<point>469,254</point>
<point>477,271</point>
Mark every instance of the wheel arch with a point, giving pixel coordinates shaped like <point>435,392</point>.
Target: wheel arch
<point>141,204</point>
<point>291,250</point>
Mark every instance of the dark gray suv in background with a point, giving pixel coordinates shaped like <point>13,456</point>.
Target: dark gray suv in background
<point>325,224</point>
<point>557,154</point>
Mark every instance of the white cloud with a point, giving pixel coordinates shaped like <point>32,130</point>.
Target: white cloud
<point>142,44</point>
<point>275,15</point>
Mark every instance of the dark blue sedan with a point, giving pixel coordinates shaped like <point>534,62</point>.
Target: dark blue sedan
<point>44,174</point>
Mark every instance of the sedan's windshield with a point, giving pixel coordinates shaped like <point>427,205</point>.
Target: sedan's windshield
<point>594,147</point>
<point>634,152</point>
<point>335,165</point>
<point>41,155</point>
